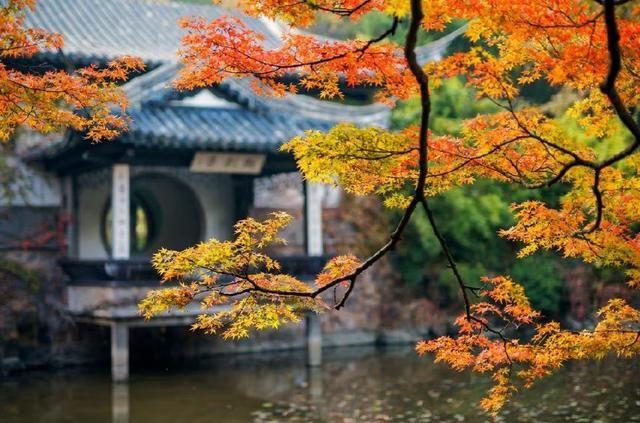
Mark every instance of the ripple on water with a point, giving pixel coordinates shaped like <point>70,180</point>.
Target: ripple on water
<point>353,385</point>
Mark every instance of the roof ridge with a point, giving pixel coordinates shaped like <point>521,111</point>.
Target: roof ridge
<point>151,83</point>
<point>155,86</point>
<point>435,49</point>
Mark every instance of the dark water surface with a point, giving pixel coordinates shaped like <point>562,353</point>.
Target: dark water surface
<point>353,385</point>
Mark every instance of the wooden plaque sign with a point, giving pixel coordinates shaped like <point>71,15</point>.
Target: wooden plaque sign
<point>247,164</point>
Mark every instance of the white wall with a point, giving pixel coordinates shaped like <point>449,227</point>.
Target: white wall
<point>214,193</point>
<point>217,200</point>
<point>92,198</point>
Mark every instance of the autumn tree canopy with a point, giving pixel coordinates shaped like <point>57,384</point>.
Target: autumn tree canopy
<point>588,48</point>
<point>47,99</point>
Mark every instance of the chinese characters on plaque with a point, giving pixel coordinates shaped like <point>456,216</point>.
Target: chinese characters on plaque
<point>248,164</point>
<point>313,218</point>
<point>120,212</point>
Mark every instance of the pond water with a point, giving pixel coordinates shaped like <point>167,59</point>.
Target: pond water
<point>353,385</point>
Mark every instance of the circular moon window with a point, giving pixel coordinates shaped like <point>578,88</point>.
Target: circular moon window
<point>141,222</point>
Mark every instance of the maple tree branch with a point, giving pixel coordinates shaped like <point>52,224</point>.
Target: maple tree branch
<point>510,107</point>
<point>608,87</point>
<point>340,11</point>
<point>231,294</point>
<point>597,193</point>
<point>275,67</point>
<point>404,220</point>
<point>345,296</point>
<point>614,2</point>
<point>449,256</point>
<point>571,23</point>
<point>380,154</point>
<point>425,101</point>
<point>467,160</point>
<point>629,345</point>
<point>351,277</point>
<point>395,237</point>
<point>392,30</point>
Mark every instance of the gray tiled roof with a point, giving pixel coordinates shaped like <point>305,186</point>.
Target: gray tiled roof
<point>435,50</point>
<point>155,87</point>
<point>201,128</point>
<point>104,29</point>
<point>169,127</point>
<point>99,30</point>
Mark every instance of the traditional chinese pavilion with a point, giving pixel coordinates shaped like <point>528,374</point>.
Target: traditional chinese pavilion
<point>185,170</point>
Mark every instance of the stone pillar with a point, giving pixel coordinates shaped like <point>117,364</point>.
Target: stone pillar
<point>71,214</point>
<point>120,212</point>
<point>313,219</point>
<point>119,352</point>
<point>314,248</point>
<point>120,250</point>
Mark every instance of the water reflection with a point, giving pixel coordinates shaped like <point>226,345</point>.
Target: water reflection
<point>354,385</point>
<point>314,379</point>
<point>120,403</point>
